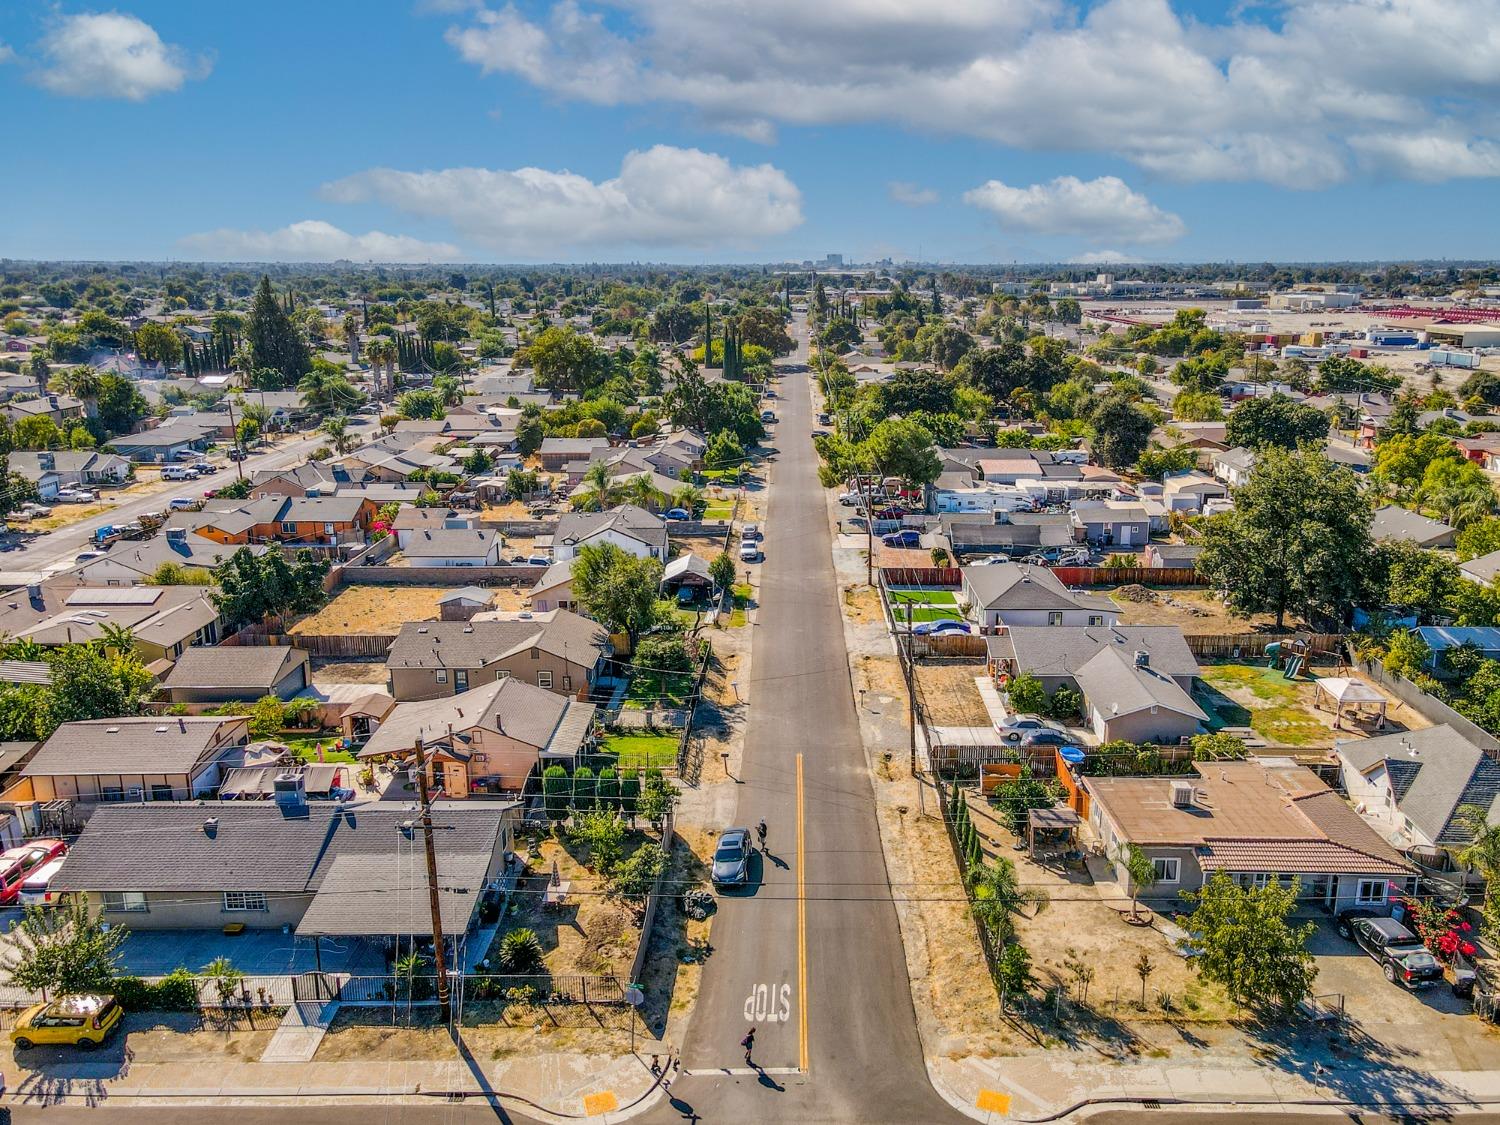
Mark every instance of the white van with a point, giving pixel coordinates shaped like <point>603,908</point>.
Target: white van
<point>37,890</point>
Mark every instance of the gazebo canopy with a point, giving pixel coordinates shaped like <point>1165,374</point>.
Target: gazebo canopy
<point>1348,691</point>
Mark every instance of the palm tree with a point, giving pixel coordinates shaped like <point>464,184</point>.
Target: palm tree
<point>83,383</point>
<point>996,893</point>
<point>351,336</point>
<point>324,392</point>
<point>119,639</point>
<point>688,498</point>
<point>642,491</point>
<point>1483,854</point>
<point>337,429</point>
<point>23,649</point>
<point>450,388</point>
<point>601,490</point>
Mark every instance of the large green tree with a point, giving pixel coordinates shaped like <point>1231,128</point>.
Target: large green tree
<point>64,949</point>
<point>1121,430</point>
<point>273,340</point>
<point>1276,420</point>
<point>616,588</point>
<point>253,587</point>
<point>1297,541</point>
<point>1247,945</point>
<point>901,448</point>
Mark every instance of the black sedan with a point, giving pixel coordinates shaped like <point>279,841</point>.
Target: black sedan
<point>1400,953</point>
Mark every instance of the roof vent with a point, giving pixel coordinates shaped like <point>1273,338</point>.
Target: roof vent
<point>1142,658</point>
<point>211,827</point>
<point>161,730</point>
<point>422,629</point>
<point>111,730</point>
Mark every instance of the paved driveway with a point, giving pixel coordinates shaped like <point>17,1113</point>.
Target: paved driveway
<point>150,953</point>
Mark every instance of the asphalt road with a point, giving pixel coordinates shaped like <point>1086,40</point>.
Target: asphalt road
<point>58,550</point>
<point>839,1000</point>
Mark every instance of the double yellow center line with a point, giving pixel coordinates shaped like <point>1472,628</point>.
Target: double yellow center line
<point>801,930</point>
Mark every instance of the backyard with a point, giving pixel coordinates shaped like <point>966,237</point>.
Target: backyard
<point>1279,710</point>
<point>1191,610</point>
<point>924,603</point>
<point>641,751</point>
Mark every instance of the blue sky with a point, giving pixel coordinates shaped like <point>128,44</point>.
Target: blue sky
<point>983,131</point>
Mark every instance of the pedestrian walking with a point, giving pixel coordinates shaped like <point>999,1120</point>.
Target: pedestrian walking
<point>749,1044</point>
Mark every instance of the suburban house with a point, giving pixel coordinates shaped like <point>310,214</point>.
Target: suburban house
<point>1055,655</point>
<point>1234,466</point>
<point>1484,570</point>
<point>452,547</point>
<point>1483,639</point>
<point>1125,698</point>
<point>137,562</point>
<point>1016,594</point>
<point>164,621</point>
<point>310,478</point>
<point>61,409</point>
<point>1415,788</point>
<point>488,740</point>
<point>1186,492</point>
<point>148,758</point>
<point>1013,533</point>
<point>323,520</point>
<point>243,673</point>
<point>1111,523</point>
<point>1257,822</point>
<point>84,468</point>
<point>556,452</point>
<point>630,528</point>
<point>338,871</point>
<point>160,445</point>
<point>559,651</point>
<point>554,590</point>
<point>411,519</point>
<point>1395,524</point>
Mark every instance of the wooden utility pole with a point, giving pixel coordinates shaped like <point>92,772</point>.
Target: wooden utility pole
<point>444,1003</point>
<point>238,448</point>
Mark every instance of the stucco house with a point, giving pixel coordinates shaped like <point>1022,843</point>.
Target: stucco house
<point>1017,594</point>
<point>1257,822</point>
<point>559,651</point>
<point>242,673</point>
<point>629,527</point>
<point>1125,698</point>
<point>453,547</point>
<point>1415,788</point>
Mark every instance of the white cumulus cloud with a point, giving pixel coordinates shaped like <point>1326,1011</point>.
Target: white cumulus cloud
<point>1098,210</point>
<point>912,195</point>
<point>313,240</point>
<point>663,197</point>
<point>112,55</point>
<point>1238,97</point>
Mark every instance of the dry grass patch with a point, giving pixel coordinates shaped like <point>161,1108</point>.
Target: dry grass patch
<point>862,605</point>
<point>373,609</point>
<point>1193,611</point>
<point>949,696</point>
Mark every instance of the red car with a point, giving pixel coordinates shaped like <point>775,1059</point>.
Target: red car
<point>17,863</point>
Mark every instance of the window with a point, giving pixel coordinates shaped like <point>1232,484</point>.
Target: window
<point>1167,869</point>
<point>1055,618</point>
<point>442,675</point>
<point>289,529</point>
<point>161,792</point>
<point>1371,892</point>
<point>111,793</point>
<point>328,529</point>
<point>460,679</point>
<point>544,679</point>
<point>1096,619</point>
<point>244,900</point>
<point>125,902</point>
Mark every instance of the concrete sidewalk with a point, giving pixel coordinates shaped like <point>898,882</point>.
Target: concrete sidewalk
<point>547,1087</point>
<point>1051,1086</point>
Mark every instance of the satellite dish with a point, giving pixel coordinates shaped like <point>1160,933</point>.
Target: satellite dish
<point>634,995</point>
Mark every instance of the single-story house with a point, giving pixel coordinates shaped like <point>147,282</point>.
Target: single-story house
<point>556,452</point>
<point>454,547</point>
<point>1186,492</point>
<point>160,445</point>
<point>242,673</point>
<point>1112,523</point>
<point>318,868</point>
<point>1484,570</point>
<point>164,621</point>
<point>1017,594</point>
<point>1395,524</point>
<point>1234,466</point>
<point>1019,534</point>
<point>148,758</point>
<point>1414,788</point>
<point>1054,655</point>
<point>50,470</point>
<point>411,519</point>
<point>132,563</point>
<point>1125,698</point>
<point>629,527</point>
<point>1441,638</point>
<point>490,739</point>
<point>554,590</point>
<point>1257,822</point>
<point>559,651</point>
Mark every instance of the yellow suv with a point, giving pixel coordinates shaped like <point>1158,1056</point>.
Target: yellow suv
<point>77,1021</point>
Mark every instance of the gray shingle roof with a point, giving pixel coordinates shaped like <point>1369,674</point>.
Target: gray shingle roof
<point>127,746</point>
<point>628,519</point>
<point>529,714</point>
<point>475,644</point>
<point>1396,523</point>
<point>1113,685</point>
<point>1013,586</point>
<point>1062,651</point>
<point>1434,772</point>
<point>237,667</point>
<point>451,542</point>
<point>255,847</point>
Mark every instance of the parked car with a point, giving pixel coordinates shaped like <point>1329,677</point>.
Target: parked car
<point>70,1021</point>
<point>204,468</point>
<point>36,890</point>
<point>768,416</point>
<point>939,628</point>
<point>1041,738</point>
<point>75,496</point>
<point>851,499</point>
<point>1400,953</point>
<point>1019,722</point>
<point>749,552</point>
<point>187,455</point>
<point>824,419</point>
<point>750,532</point>
<point>178,472</point>
<point>676,514</point>
<point>237,454</point>
<point>732,858</point>
<point>19,862</point>
<point>538,560</point>
<point>180,504</point>
<point>907,537</point>
<point>1059,556</point>
<point>34,511</point>
<point>87,556</point>
<point>686,595</point>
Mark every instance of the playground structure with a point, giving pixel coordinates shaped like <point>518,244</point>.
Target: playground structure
<point>1292,656</point>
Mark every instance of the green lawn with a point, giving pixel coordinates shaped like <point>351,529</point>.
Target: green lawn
<point>666,690</point>
<point>305,749</point>
<point>740,601</point>
<point>919,596</point>
<point>641,751</point>
<point>930,613</point>
<point>719,511</point>
<point>1277,709</point>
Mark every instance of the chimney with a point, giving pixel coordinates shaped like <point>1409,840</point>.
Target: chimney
<point>1142,658</point>
<point>290,790</point>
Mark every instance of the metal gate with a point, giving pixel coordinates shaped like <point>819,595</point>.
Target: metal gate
<point>314,988</point>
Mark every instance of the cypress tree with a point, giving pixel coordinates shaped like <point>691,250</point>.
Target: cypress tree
<point>274,341</point>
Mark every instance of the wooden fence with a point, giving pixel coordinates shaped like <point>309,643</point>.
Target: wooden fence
<point>442,575</point>
<point>643,949</point>
<point>922,575</point>
<point>692,710</point>
<point>369,646</point>
<point>1127,575</point>
<point>1252,646</point>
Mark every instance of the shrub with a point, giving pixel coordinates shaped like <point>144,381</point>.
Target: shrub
<point>1027,696</point>
<point>664,652</point>
<point>1067,703</point>
<point>520,953</point>
<point>583,789</point>
<point>267,716</point>
<point>1013,967</point>
<point>608,789</point>
<point>556,788</point>
<point>630,793</point>
<point>634,878</point>
<point>175,992</point>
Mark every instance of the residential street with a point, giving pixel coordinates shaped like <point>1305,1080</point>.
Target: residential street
<point>56,551</point>
<point>848,992</point>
